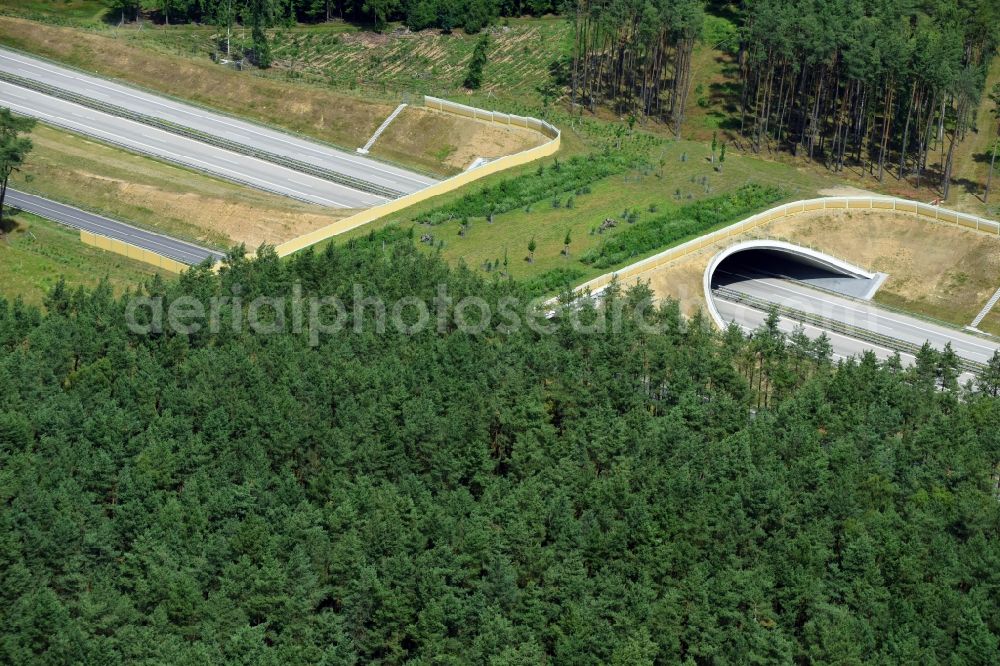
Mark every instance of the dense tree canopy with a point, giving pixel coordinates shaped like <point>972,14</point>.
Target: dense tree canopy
<point>635,55</point>
<point>470,15</point>
<point>882,84</point>
<point>885,85</point>
<point>622,496</point>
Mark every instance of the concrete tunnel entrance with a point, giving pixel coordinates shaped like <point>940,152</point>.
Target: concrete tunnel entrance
<point>751,266</point>
<point>761,263</point>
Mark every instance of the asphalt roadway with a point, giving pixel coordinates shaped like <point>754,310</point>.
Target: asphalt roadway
<point>759,263</point>
<point>187,253</point>
<point>245,169</point>
<point>852,312</point>
<point>180,150</point>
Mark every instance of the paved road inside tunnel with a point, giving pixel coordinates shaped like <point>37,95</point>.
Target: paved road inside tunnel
<point>757,264</point>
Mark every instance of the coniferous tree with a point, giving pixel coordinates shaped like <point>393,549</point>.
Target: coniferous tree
<point>851,86</point>
<point>229,497</point>
<point>635,56</point>
<point>995,147</point>
<point>14,148</point>
<point>261,17</point>
<point>474,75</point>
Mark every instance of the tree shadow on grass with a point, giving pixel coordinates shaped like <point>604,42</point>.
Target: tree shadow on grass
<point>724,98</point>
<point>730,68</point>
<point>724,121</point>
<point>725,95</point>
<point>724,9</point>
<point>970,186</point>
<point>8,224</point>
<point>984,158</point>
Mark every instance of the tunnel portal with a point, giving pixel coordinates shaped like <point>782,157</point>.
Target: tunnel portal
<point>749,265</point>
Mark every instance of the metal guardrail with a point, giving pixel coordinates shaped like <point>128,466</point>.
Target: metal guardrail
<point>892,308</point>
<point>832,325</point>
<point>164,158</point>
<point>26,188</point>
<point>203,137</point>
<point>211,109</point>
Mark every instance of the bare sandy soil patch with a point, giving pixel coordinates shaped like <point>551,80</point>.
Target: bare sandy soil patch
<point>239,221</point>
<point>443,145</point>
<point>450,143</point>
<point>847,191</point>
<point>934,269</point>
<point>160,196</point>
<point>336,118</point>
<point>682,280</point>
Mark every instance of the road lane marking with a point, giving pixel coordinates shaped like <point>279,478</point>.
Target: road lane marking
<point>103,133</point>
<point>831,334</point>
<point>242,127</point>
<point>966,375</point>
<point>91,221</point>
<point>873,312</point>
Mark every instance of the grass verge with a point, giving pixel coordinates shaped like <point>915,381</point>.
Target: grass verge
<point>447,144</point>
<point>174,60</point>
<point>69,12</point>
<point>37,252</point>
<point>341,120</point>
<point>160,196</point>
<point>680,173</point>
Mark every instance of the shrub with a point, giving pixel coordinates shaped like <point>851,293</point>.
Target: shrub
<point>557,279</point>
<point>474,76</point>
<point>522,191</point>
<point>673,226</point>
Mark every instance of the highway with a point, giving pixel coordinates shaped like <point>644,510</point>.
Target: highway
<point>843,347</point>
<point>180,150</point>
<point>187,253</point>
<point>850,311</point>
<point>750,318</point>
<point>217,124</point>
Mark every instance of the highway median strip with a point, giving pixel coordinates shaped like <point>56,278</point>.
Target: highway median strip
<point>892,308</point>
<point>204,137</point>
<point>833,326</point>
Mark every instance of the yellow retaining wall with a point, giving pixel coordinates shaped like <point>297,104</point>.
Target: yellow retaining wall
<point>371,214</point>
<point>947,216</point>
<point>453,183</point>
<point>633,272</point>
<point>926,211</point>
<point>131,251</point>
